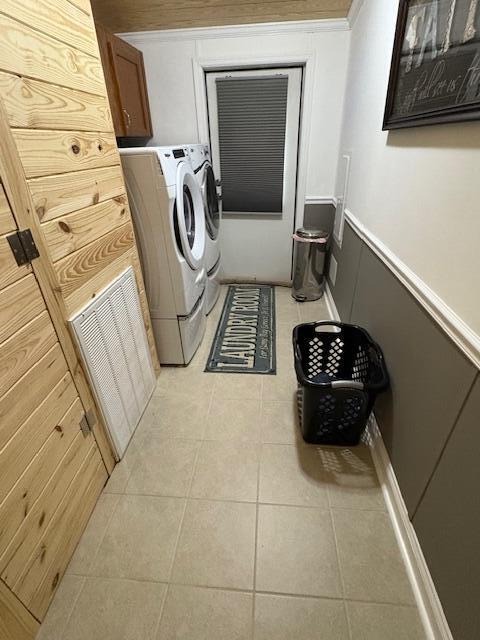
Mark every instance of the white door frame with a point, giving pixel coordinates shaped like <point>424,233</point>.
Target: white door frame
<point>200,66</point>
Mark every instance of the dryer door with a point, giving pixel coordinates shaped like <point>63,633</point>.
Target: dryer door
<point>212,202</point>
<point>190,219</point>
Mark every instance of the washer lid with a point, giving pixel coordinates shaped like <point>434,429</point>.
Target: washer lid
<point>190,216</point>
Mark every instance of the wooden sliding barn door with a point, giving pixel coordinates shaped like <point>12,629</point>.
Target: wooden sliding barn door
<point>61,178</point>
<point>51,471</point>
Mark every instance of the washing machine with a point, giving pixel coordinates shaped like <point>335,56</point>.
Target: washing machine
<point>202,167</point>
<point>169,220</point>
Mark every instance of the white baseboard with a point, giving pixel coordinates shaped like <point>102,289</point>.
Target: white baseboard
<point>428,602</point>
<point>332,308</point>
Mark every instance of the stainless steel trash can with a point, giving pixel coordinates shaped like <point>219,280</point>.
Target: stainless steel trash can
<point>309,253</point>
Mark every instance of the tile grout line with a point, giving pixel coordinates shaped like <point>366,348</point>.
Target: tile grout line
<point>132,466</point>
<point>235,501</point>
<point>74,604</point>
<point>256,532</point>
<point>285,594</point>
<point>347,619</point>
<point>162,609</point>
<point>91,564</point>
<point>152,430</point>
<point>102,537</point>
<point>257,504</point>
<point>177,541</point>
<point>345,608</point>
<point>340,570</point>
<point>209,409</point>
<point>186,498</point>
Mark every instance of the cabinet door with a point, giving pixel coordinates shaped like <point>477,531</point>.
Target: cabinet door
<point>103,37</point>
<point>130,76</point>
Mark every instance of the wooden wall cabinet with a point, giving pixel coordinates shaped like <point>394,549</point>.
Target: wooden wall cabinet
<point>126,85</point>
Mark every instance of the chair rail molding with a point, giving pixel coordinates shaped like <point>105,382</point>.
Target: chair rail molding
<point>238,31</point>
<point>458,331</point>
<point>320,200</point>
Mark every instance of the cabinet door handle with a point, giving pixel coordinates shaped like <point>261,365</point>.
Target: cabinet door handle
<point>129,120</point>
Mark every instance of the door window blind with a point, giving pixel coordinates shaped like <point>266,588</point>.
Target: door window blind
<point>252,113</point>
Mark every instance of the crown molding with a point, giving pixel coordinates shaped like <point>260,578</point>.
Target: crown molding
<point>238,31</point>
<point>354,11</point>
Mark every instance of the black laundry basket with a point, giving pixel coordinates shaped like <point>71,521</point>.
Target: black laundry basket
<point>340,370</point>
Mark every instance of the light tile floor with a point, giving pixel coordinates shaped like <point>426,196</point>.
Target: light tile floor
<point>220,523</point>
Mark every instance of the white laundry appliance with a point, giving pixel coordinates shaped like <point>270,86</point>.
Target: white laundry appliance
<point>169,220</point>
<point>202,167</point>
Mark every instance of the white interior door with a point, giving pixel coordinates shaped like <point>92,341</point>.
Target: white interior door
<point>254,127</point>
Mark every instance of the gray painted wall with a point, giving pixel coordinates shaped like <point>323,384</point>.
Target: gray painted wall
<point>422,418</point>
<point>319,216</point>
<point>348,259</point>
<point>447,523</point>
<point>429,376</point>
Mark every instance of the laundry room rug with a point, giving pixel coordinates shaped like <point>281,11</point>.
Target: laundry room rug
<point>245,338</point>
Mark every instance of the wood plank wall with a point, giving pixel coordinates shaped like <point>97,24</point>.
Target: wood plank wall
<point>60,175</point>
<point>53,91</point>
<point>15,621</point>
<point>45,458</point>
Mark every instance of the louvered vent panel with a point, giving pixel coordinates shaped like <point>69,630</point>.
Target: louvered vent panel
<point>127,344</point>
<point>252,115</point>
<point>118,361</point>
<point>106,386</point>
<point>132,305</point>
<point>113,342</point>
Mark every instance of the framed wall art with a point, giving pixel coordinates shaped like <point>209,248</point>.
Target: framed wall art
<point>435,70</point>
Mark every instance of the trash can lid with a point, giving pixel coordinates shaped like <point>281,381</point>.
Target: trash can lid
<point>312,234</point>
